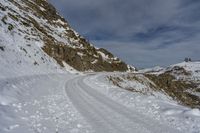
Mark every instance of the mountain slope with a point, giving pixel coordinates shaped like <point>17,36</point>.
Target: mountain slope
<point>35,37</point>
<point>181,82</point>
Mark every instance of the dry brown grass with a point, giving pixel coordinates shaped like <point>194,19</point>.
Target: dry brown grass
<point>177,89</point>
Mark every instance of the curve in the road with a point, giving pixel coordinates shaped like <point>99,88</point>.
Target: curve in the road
<point>108,116</point>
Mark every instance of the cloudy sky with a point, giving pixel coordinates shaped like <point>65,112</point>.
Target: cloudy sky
<point>143,33</point>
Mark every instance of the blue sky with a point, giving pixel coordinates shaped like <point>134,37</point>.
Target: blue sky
<point>143,33</point>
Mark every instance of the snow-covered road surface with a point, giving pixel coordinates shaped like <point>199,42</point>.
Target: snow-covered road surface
<point>108,116</point>
<point>76,103</point>
<point>38,104</point>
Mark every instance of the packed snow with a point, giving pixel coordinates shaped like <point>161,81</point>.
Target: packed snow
<point>87,103</point>
<point>38,103</point>
<point>157,106</point>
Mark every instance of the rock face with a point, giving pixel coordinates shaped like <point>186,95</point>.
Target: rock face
<point>84,59</point>
<point>38,20</point>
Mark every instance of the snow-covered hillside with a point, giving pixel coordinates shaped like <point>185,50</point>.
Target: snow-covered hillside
<point>179,81</point>
<point>171,94</point>
<point>20,52</point>
<point>34,38</point>
<point>191,70</point>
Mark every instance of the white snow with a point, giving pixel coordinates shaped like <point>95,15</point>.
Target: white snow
<point>95,61</point>
<point>70,69</point>
<point>105,57</point>
<point>157,106</point>
<point>19,53</point>
<point>155,70</point>
<point>39,105</point>
<point>81,54</point>
<point>60,21</point>
<point>194,112</point>
<point>191,67</point>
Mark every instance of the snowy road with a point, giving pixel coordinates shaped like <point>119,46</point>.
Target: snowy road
<point>69,103</point>
<point>38,104</point>
<point>106,115</point>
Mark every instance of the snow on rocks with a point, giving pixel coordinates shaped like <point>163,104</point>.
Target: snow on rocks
<point>191,67</point>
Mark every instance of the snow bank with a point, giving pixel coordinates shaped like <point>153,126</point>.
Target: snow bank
<point>159,106</point>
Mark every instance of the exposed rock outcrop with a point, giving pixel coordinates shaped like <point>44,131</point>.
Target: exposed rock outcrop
<point>41,22</point>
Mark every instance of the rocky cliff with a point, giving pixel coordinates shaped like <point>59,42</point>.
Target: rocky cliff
<point>36,22</point>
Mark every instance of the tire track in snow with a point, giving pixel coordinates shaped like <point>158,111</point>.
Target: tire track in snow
<point>106,115</point>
